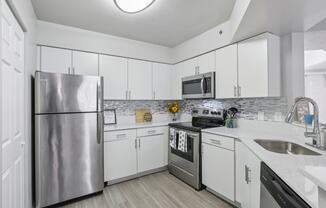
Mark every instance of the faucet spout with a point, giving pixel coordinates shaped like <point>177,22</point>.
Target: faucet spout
<point>315,134</point>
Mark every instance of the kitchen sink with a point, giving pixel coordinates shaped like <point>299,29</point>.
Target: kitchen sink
<point>284,147</point>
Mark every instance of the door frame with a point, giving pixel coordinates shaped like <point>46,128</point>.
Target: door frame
<point>27,147</point>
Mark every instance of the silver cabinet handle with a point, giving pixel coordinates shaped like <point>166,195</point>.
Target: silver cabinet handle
<point>68,70</point>
<point>126,94</point>
<point>129,94</point>
<point>239,91</point>
<point>151,132</point>
<point>154,95</point>
<point>217,142</point>
<point>135,143</point>
<point>119,136</point>
<point>198,71</point>
<point>235,91</point>
<point>247,174</point>
<point>139,143</point>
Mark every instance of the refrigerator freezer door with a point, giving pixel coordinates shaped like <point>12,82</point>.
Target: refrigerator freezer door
<point>65,93</point>
<point>69,156</point>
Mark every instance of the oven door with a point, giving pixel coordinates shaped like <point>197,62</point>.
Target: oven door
<point>199,86</point>
<point>188,161</point>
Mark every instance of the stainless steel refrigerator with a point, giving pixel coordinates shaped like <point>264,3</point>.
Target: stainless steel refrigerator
<point>68,137</point>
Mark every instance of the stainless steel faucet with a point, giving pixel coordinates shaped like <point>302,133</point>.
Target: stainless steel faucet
<point>315,134</point>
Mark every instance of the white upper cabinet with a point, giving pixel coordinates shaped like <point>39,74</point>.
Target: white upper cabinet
<point>180,71</point>
<point>162,88</point>
<point>85,63</point>
<point>226,72</point>
<point>140,80</point>
<point>65,61</point>
<point>115,73</point>
<point>55,60</point>
<point>206,63</point>
<point>259,66</point>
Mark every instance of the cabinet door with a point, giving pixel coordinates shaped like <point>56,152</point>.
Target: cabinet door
<point>115,73</point>
<point>55,60</point>
<point>247,177</point>
<point>162,81</point>
<point>206,63</point>
<point>253,68</point>
<point>85,63</point>
<point>140,80</point>
<point>181,70</point>
<point>242,187</point>
<point>218,170</point>
<point>151,152</point>
<point>226,72</point>
<point>120,158</point>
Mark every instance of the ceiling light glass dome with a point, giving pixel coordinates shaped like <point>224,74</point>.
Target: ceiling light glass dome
<point>133,6</point>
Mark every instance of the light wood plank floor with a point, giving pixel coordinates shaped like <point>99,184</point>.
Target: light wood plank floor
<point>160,190</point>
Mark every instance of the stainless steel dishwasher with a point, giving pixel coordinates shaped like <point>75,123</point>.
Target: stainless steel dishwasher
<point>276,193</point>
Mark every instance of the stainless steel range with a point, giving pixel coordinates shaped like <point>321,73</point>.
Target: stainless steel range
<point>185,145</point>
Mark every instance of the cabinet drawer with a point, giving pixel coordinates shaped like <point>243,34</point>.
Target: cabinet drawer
<point>219,141</point>
<point>150,131</point>
<point>119,135</point>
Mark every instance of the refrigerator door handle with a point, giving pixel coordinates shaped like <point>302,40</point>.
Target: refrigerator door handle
<point>100,95</point>
<point>100,132</point>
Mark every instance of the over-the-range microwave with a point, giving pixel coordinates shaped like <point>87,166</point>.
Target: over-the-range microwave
<point>199,86</point>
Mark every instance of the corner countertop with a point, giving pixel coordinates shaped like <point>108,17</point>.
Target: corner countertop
<point>288,167</point>
<point>118,127</point>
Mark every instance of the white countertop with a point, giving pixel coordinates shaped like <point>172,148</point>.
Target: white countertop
<point>288,167</point>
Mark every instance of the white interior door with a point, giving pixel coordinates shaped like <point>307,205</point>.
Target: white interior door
<point>55,60</point>
<point>115,73</point>
<point>12,114</point>
<point>85,63</point>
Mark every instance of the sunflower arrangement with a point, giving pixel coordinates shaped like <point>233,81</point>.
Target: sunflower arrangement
<point>174,108</point>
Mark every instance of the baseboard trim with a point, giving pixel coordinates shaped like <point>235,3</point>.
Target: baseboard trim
<point>234,204</point>
<point>138,175</point>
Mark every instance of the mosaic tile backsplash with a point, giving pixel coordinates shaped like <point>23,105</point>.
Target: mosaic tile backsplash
<point>248,107</point>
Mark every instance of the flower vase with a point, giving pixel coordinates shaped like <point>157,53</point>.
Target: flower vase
<point>174,117</point>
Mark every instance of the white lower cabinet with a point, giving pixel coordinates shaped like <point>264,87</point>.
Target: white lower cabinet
<point>129,152</point>
<point>151,149</point>
<point>119,154</point>
<point>247,177</point>
<point>218,164</point>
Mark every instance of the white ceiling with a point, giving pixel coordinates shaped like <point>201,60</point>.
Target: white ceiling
<point>315,51</point>
<point>281,16</point>
<point>166,22</point>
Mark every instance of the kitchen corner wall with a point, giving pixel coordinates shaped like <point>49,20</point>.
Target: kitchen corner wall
<point>249,107</point>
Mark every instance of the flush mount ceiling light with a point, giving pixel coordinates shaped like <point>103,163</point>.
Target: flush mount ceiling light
<point>133,6</point>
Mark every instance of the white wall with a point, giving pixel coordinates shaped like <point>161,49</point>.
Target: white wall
<point>24,12</point>
<point>315,88</point>
<point>74,38</point>
<point>211,39</point>
<point>292,59</point>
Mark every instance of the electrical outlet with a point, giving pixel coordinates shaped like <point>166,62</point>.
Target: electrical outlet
<point>261,116</point>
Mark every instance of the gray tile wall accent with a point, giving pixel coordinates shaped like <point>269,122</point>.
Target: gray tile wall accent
<point>249,107</point>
